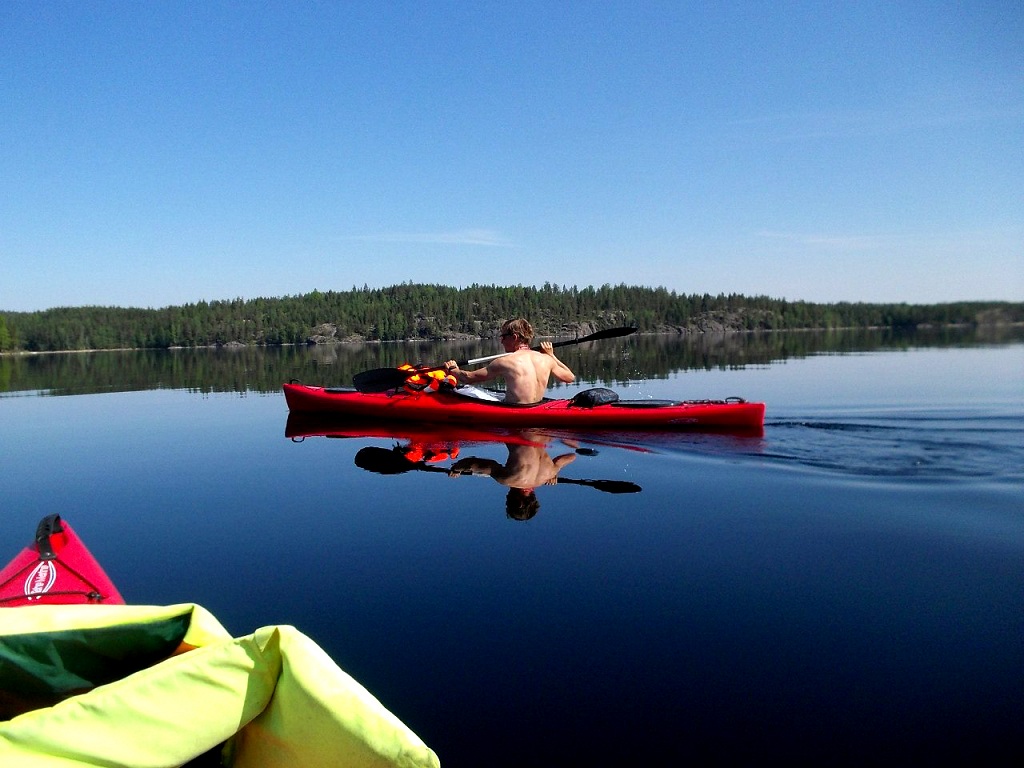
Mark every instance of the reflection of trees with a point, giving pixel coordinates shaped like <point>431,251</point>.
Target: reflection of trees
<point>609,362</point>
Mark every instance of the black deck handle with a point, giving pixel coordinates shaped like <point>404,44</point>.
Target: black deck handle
<point>48,526</point>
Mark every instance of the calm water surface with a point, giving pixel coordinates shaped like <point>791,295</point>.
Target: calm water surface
<point>846,588</point>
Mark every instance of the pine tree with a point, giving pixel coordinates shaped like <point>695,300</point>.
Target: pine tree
<point>5,335</point>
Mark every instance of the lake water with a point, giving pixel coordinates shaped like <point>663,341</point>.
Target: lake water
<point>846,588</point>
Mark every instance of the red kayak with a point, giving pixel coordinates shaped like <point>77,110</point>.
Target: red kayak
<point>451,408</point>
<point>55,568</point>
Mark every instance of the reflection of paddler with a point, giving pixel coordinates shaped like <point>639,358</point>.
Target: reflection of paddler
<point>527,467</point>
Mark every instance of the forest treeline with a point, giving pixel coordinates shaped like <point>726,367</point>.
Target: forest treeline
<point>434,312</point>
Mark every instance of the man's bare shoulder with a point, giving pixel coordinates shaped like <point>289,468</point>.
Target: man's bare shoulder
<point>502,364</point>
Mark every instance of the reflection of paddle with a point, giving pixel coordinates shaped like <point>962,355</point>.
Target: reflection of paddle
<point>383,379</point>
<point>389,462</point>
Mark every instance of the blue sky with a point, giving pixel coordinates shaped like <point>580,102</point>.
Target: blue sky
<point>157,153</point>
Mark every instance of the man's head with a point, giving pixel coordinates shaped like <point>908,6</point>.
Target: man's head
<point>519,328</point>
<point>521,503</point>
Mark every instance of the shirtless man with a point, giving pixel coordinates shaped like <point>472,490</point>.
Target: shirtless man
<point>525,371</point>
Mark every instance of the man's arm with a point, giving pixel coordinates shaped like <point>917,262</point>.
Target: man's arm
<point>477,376</point>
<point>558,369</point>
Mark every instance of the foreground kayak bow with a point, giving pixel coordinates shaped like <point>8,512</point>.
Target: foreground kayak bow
<point>113,684</point>
<point>55,569</point>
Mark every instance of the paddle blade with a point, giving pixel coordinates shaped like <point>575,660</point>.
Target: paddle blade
<point>610,333</point>
<point>608,486</point>
<point>615,486</point>
<point>382,461</point>
<point>380,379</point>
<point>607,333</point>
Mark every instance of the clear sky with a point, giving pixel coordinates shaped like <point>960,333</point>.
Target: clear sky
<point>157,153</point>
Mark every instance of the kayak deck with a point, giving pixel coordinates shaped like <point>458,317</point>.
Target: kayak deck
<point>56,568</point>
<point>450,408</point>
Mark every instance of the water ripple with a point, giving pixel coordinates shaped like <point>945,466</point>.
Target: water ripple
<point>930,446</point>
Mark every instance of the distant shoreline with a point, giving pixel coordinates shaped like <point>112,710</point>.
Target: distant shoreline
<point>235,345</point>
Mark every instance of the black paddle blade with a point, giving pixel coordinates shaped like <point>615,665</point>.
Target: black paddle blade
<point>608,486</point>
<point>380,379</point>
<point>607,333</point>
<point>382,461</point>
<point>615,486</point>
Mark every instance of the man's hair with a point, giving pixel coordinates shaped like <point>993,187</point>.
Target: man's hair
<point>521,504</point>
<point>520,327</point>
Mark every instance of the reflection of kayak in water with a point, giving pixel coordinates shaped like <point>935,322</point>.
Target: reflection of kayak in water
<point>302,425</point>
<point>447,407</point>
<point>90,681</point>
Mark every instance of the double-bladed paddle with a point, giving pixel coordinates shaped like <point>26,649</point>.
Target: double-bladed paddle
<point>389,462</point>
<point>383,379</point>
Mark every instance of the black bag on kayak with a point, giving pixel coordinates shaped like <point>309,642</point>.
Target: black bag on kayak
<point>588,398</point>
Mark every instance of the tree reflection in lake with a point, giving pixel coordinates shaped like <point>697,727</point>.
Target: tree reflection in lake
<point>610,362</point>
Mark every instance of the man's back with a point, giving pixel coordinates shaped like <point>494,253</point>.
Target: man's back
<point>526,375</point>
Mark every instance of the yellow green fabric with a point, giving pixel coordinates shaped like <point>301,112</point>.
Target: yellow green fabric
<point>272,698</point>
<point>52,665</point>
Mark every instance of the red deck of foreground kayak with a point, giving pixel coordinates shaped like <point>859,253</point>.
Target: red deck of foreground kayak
<point>56,568</point>
<point>446,408</point>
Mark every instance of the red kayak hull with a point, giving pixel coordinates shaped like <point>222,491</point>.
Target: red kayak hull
<point>446,408</point>
<point>56,568</point>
